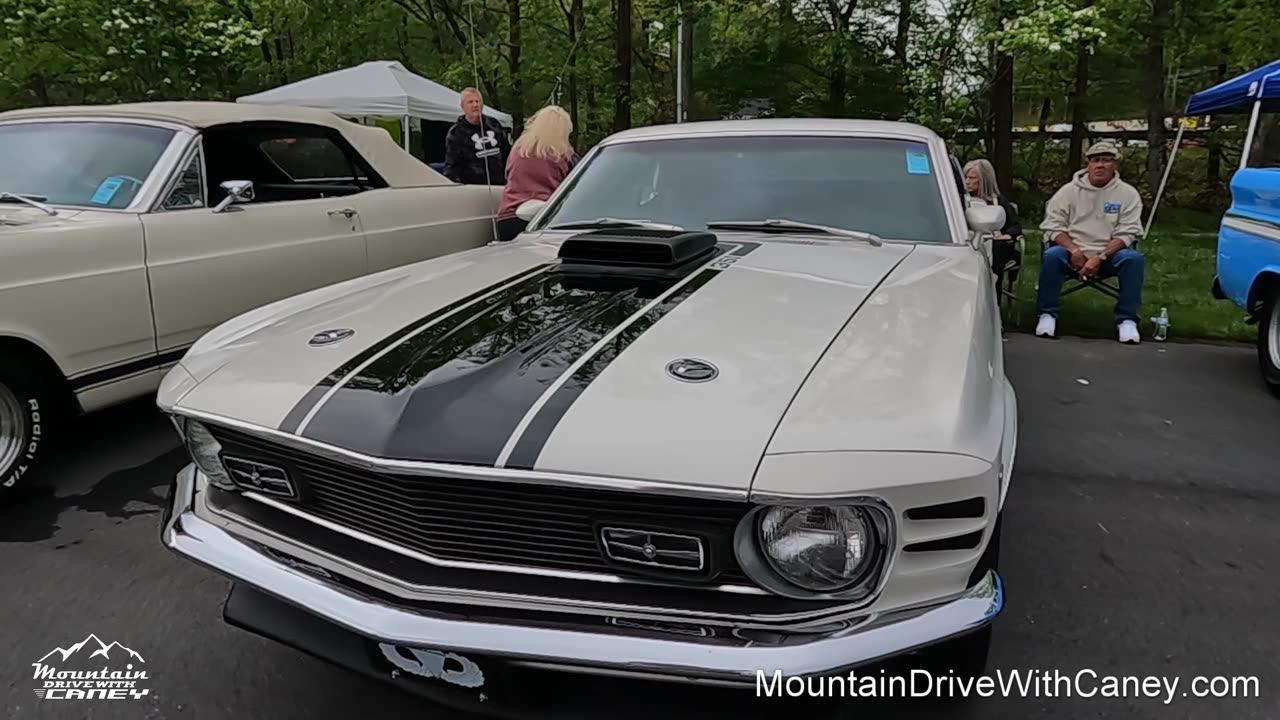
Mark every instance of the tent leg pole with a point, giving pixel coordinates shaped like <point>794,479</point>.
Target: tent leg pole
<point>680,63</point>
<point>1177,142</point>
<point>1248,138</point>
<point>404,124</point>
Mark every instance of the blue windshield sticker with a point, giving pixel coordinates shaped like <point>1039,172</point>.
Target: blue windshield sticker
<point>106,191</point>
<point>917,162</point>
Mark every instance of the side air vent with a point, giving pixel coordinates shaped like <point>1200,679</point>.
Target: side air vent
<point>960,542</point>
<point>637,248</point>
<point>958,510</point>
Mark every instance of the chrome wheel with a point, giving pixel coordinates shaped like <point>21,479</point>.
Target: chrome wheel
<point>1273,338</point>
<point>13,427</point>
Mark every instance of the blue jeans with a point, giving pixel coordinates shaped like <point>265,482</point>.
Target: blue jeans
<point>1055,268</point>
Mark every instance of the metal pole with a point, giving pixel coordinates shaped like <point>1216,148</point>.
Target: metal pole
<point>404,124</point>
<point>1253,128</point>
<point>680,63</point>
<point>1177,142</point>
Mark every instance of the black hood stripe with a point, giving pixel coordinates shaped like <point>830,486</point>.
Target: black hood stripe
<point>526,444</point>
<point>493,378</point>
<point>296,420</point>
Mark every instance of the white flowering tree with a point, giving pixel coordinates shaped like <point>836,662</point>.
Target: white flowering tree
<point>56,51</point>
<point>1051,27</point>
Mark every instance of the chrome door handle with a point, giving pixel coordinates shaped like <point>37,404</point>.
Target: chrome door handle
<point>348,212</point>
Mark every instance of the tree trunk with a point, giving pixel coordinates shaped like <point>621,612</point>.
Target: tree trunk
<point>1154,80</point>
<point>1046,105</point>
<point>515,105</point>
<point>622,67</point>
<point>1214,169</point>
<point>901,42</point>
<point>575,27</point>
<point>1002,120</point>
<point>1079,118</point>
<point>838,80</point>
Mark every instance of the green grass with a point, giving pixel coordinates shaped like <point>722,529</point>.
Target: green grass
<point>1181,264</point>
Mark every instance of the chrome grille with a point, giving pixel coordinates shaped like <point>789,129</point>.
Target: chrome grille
<point>484,521</point>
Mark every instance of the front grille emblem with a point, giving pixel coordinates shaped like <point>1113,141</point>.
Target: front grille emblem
<point>259,477</point>
<point>656,549</point>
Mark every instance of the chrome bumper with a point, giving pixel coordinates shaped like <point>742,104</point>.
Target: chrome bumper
<point>584,648</point>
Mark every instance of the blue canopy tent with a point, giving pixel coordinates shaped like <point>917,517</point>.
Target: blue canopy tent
<point>1255,91</point>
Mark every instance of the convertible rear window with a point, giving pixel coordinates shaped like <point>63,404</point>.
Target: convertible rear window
<point>90,164</point>
<point>888,187</point>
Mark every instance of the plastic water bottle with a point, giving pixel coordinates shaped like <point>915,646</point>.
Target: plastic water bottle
<point>1162,325</point>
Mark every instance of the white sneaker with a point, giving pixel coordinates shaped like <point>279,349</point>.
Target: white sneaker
<point>1129,332</point>
<point>1047,326</point>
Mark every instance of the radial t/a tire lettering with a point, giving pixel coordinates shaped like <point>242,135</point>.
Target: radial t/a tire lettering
<point>28,416</point>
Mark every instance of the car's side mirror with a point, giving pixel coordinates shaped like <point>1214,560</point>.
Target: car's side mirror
<point>529,209</point>
<point>984,218</point>
<point>238,191</point>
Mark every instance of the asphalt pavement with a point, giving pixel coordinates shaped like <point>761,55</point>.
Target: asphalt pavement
<point>1141,539</point>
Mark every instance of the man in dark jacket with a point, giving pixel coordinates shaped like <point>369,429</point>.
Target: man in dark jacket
<point>477,146</point>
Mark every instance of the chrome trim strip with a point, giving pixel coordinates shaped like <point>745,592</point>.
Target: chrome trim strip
<point>306,420</point>
<point>823,651</point>
<point>1270,231</point>
<point>457,564</point>
<point>594,350</point>
<point>465,472</point>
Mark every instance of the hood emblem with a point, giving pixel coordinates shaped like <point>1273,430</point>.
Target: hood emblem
<point>329,337</point>
<point>691,370</point>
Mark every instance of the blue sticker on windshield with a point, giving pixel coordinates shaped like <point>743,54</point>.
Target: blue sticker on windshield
<point>917,162</point>
<point>106,191</point>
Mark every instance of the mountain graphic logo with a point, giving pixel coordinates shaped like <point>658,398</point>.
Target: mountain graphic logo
<point>99,649</point>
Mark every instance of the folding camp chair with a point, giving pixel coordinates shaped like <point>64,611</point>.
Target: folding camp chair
<point>1107,286</point>
<point>1009,278</point>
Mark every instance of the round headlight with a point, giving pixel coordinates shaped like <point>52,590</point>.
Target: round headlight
<point>204,450</point>
<point>820,548</point>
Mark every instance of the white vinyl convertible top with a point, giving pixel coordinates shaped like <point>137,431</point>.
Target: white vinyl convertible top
<point>397,167</point>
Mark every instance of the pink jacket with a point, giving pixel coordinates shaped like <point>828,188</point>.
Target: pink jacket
<point>530,178</point>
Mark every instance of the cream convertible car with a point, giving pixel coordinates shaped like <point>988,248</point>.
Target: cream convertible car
<point>128,231</point>
<point>735,402</point>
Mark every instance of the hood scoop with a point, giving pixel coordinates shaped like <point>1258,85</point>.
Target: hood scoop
<point>636,251</point>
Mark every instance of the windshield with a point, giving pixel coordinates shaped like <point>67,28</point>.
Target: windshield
<point>89,164</point>
<point>880,186</point>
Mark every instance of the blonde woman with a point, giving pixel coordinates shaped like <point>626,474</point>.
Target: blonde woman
<point>540,160</point>
<point>980,181</point>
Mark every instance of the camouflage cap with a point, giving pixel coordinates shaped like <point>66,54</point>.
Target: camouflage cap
<point>1103,148</point>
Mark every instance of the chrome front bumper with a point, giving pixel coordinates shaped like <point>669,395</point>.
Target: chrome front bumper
<point>564,645</point>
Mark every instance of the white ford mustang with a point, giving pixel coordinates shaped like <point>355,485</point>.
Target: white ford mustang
<point>735,402</point>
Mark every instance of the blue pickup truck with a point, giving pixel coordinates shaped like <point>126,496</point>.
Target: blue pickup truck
<point>1249,259</point>
<point>1248,271</point>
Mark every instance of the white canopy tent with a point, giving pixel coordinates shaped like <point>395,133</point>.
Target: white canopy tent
<point>379,88</point>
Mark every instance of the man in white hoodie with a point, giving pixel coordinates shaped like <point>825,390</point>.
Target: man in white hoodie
<point>1091,224</point>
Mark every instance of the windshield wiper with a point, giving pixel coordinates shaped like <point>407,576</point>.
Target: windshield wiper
<point>784,225</point>
<point>613,222</point>
<point>35,201</point>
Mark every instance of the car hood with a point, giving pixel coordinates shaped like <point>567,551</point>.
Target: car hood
<point>493,357</point>
<point>24,216</point>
